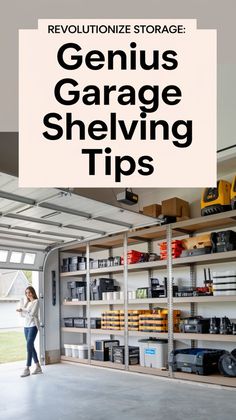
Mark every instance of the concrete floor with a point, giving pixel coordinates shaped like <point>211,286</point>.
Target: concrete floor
<point>79,392</point>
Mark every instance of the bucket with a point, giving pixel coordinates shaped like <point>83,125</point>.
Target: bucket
<point>68,350</point>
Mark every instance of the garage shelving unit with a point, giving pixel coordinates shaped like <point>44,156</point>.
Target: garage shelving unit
<point>225,220</point>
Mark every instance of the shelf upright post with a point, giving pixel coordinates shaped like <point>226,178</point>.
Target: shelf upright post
<point>126,336</point>
<point>170,294</point>
<point>150,250</point>
<point>192,304</point>
<point>88,300</point>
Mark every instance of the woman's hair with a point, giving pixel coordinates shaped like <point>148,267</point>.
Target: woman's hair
<point>31,289</point>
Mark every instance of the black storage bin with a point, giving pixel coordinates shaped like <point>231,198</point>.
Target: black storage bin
<point>118,353</point>
<point>103,349</point>
<point>79,322</point>
<point>69,322</point>
<point>94,322</point>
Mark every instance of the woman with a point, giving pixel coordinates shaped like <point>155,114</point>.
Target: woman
<point>30,313</point>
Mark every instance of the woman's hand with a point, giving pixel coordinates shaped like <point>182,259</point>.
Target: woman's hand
<point>19,310</point>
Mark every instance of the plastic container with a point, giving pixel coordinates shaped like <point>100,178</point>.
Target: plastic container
<point>109,295</point>
<point>121,295</point>
<point>132,294</point>
<point>104,296</point>
<point>82,351</point>
<point>116,295</point>
<point>224,283</point>
<point>153,353</point>
<point>75,351</point>
<point>68,350</point>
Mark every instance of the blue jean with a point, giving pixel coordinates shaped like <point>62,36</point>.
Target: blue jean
<point>30,335</point>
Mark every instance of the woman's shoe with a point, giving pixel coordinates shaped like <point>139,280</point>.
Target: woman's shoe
<point>26,372</point>
<point>37,370</point>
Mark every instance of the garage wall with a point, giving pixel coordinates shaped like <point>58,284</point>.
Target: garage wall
<point>52,313</point>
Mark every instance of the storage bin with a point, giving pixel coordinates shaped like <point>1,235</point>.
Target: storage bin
<point>224,283</point>
<point>75,352</point>
<point>153,353</point>
<point>104,296</point>
<point>82,351</point>
<point>69,322</point>
<point>132,294</point>
<point>68,350</point>
<point>121,295</point>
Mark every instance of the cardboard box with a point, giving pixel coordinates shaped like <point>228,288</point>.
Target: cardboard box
<point>154,210</point>
<point>175,207</point>
<point>197,241</point>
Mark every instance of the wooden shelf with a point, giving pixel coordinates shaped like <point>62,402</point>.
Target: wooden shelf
<point>97,331</point>
<point>153,301</point>
<point>75,303</point>
<point>148,370</point>
<point>107,364</point>
<point>148,334</point>
<point>106,302</point>
<point>93,362</point>
<point>203,299</point>
<point>74,359</point>
<point>218,257</point>
<point>159,264</point>
<point>151,265</point>
<point>149,301</point>
<point>73,273</point>
<point>208,379</point>
<point>205,337</point>
<point>206,223</point>
<point>109,332</point>
<point>74,330</point>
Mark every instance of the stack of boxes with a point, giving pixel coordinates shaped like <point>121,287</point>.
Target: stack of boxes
<point>111,320</point>
<point>134,257</point>
<point>157,321</point>
<point>140,320</point>
<point>177,249</point>
<point>133,319</point>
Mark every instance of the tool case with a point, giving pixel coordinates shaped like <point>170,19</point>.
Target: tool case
<point>201,361</point>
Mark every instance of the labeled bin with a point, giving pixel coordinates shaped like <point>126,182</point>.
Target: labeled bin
<point>153,353</point>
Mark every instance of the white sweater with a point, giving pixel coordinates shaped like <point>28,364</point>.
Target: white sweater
<point>30,312</point>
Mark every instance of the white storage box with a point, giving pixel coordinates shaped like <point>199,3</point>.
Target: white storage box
<point>68,350</point>
<point>131,295</point>
<point>83,351</point>
<point>75,351</point>
<point>153,353</point>
<point>121,295</point>
<point>224,283</point>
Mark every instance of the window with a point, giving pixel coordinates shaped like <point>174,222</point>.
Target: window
<point>16,257</point>
<point>3,255</point>
<point>29,258</point>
